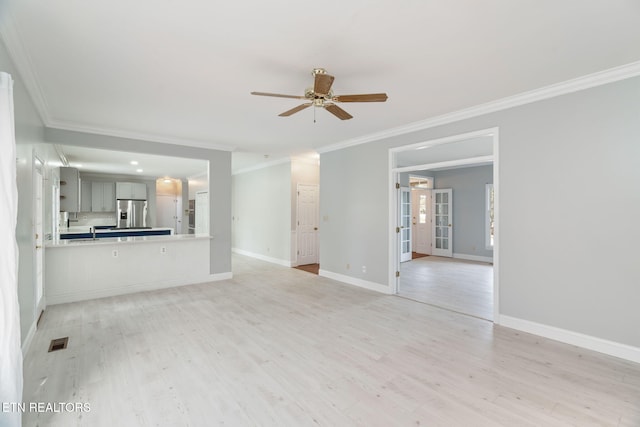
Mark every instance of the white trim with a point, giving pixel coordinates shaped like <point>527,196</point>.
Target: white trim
<point>216,277</point>
<point>283,262</point>
<point>361,283</point>
<point>445,140</point>
<point>394,248</point>
<point>140,136</point>
<point>589,342</point>
<point>262,166</point>
<point>473,258</point>
<point>26,343</point>
<point>470,161</point>
<point>496,227</point>
<point>569,86</point>
<point>22,61</point>
<point>130,289</point>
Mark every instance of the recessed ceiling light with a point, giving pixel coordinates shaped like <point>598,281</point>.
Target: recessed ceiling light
<point>167,180</point>
<point>78,165</point>
<point>138,170</point>
<point>134,162</point>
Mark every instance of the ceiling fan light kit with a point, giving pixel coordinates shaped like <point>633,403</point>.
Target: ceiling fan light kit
<point>321,96</point>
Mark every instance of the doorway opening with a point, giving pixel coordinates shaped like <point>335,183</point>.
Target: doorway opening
<point>307,223</point>
<point>456,274</point>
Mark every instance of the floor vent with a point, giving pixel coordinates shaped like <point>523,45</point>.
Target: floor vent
<point>58,344</point>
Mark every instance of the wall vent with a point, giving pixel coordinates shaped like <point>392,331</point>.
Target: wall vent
<point>58,344</point>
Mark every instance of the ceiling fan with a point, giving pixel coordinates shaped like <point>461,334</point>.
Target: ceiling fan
<point>321,95</point>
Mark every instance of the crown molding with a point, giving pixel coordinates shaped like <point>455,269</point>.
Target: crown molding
<point>140,136</point>
<point>23,63</point>
<point>262,166</point>
<point>569,86</point>
<point>10,34</point>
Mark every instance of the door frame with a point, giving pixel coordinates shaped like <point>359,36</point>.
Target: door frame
<point>404,256</point>
<point>38,179</point>
<point>317,221</point>
<point>434,234</point>
<point>394,177</point>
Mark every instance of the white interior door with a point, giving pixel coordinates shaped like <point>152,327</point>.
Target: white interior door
<point>38,236</point>
<point>202,212</point>
<point>307,227</point>
<point>405,224</point>
<point>421,220</point>
<point>442,209</point>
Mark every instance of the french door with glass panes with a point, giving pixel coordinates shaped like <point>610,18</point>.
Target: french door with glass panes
<point>442,230</point>
<point>405,224</point>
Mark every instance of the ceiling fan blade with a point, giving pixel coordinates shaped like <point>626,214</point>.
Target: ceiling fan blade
<point>295,110</point>
<point>337,111</point>
<point>322,84</point>
<point>367,97</point>
<point>277,95</point>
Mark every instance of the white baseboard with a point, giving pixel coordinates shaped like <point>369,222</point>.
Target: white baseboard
<point>283,262</point>
<point>600,345</point>
<point>26,343</point>
<point>133,288</point>
<point>373,286</point>
<point>474,258</point>
<point>219,276</point>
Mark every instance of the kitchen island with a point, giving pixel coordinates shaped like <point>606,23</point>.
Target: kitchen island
<point>80,269</point>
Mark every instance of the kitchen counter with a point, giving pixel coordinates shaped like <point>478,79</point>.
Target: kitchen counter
<point>66,243</point>
<point>86,268</point>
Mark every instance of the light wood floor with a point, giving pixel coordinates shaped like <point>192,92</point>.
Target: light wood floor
<point>277,346</point>
<point>455,284</point>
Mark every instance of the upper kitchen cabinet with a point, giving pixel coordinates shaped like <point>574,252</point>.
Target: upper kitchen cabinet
<point>131,190</point>
<point>103,198</point>
<point>85,195</point>
<point>69,190</point>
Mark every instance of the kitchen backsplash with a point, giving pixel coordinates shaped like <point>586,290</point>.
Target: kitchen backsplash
<point>94,218</point>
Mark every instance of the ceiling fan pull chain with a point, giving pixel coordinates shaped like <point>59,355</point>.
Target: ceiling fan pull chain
<point>314,114</point>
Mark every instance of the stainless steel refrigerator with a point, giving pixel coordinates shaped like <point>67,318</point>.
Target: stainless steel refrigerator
<point>132,213</point>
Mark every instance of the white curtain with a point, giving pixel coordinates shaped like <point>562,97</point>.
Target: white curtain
<point>10,352</point>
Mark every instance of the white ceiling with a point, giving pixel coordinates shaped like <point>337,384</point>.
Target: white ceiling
<point>182,71</point>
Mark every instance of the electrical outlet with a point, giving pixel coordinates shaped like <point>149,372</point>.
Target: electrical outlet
<point>114,253</point>
<point>364,268</point>
<point>348,266</point>
<point>163,250</point>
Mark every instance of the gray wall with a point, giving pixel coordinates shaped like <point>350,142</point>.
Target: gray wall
<point>562,263</point>
<point>29,131</point>
<point>219,180</point>
<point>468,186</point>
<point>262,212</point>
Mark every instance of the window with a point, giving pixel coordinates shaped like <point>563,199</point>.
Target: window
<point>423,209</point>
<point>489,221</point>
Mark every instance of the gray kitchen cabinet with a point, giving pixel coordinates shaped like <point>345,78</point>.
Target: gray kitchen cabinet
<point>69,190</point>
<point>85,195</point>
<point>103,197</point>
<point>131,191</point>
